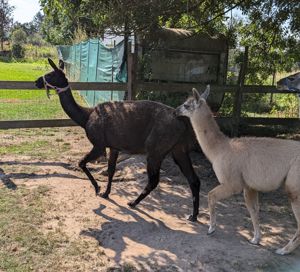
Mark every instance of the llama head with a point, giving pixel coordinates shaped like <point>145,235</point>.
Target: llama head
<point>55,79</point>
<point>193,105</point>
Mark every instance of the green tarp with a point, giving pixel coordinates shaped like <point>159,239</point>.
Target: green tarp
<point>91,61</point>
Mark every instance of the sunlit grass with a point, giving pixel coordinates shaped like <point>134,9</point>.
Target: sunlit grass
<point>28,104</point>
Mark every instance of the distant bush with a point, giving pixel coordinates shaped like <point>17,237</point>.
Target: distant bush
<point>34,53</point>
<point>17,51</point>
<point>18,36</point>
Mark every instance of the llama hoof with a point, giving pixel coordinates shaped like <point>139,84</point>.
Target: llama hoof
<point>254,241</point>
<point>97,191</point>
<point>192,218</point>
<point>211,230</point>
<point>131,204</point>
<point>104,195</point>
<point>281,251</point>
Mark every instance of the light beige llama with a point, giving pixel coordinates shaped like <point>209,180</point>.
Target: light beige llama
<point>245,164</point>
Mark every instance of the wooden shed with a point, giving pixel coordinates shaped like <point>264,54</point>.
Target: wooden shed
<point>177,55</point>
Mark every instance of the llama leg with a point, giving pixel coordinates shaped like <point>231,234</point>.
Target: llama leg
<point>112,161</point>
<point>220,192</point>
<point>153,167</point>
<point>94,154</point>
<point>295,241</point>
<point>251,200</point>
<point>182,159</point>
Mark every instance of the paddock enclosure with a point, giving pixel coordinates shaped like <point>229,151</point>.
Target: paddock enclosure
<point>175,63</point>
<point>53,220</point>
<point>78,231</point>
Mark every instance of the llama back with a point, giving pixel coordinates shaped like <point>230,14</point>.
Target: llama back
<point>129,124</point>
<point>258,170</point>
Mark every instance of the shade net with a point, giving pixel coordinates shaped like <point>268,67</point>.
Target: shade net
<point>92,61</point>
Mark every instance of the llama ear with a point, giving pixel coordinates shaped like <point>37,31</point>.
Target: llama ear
<point>206,92</point>
<point>61,64</point>
<point>52,64</point>
<point>196,94</point>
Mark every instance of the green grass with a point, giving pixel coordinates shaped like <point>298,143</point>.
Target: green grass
<point>22,71</point>
<point>28,104</point>
<point>29,109</point>
<point>24,246</point>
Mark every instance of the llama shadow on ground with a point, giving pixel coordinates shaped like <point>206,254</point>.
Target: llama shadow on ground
<point>7,177</point>
<point>6,180</point>
<point>158,245</point>
<point>115,233</point>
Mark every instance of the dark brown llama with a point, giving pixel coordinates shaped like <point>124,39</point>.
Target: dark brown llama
<point>131,126</point>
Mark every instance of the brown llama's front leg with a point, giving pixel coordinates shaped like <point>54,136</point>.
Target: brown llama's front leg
<point>182,159</point>
<point>95,153</point>
<point>153,167</point>
<point>112,161</point>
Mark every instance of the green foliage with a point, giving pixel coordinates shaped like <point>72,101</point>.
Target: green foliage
<point>18,36</point>
<point>17,51</point>
<point>36,40</point>
<point>29,36</point>
<point>119,17</point>
<point>35,53</point>
<point>287,103</point>
<point>270,28</point>
<point>32,27</point>
<point>227,105</point>
<point>79,35</point>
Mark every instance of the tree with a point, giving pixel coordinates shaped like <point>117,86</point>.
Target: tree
<point>270,27</point>
<point>38,21</point>
<point>5,20</point>
<point>95,17</point>
<point>18,36</point>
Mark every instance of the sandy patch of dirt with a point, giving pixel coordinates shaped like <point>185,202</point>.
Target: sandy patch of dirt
<point>156,235</point>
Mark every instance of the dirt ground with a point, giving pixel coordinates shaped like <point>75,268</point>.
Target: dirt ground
<point>156,235</point>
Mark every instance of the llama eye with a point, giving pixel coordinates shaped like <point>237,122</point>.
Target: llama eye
<point>186,106</point>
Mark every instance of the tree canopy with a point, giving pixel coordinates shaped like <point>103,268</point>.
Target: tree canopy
<point>270,27</point>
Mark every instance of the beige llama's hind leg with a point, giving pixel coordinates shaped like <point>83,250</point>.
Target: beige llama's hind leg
<point>295,241</point>
<point>251,200</point>
<point>293,189</point>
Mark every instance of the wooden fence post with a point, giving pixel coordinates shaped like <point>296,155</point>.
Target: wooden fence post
<point>130,73</point>
<point>239,95</point>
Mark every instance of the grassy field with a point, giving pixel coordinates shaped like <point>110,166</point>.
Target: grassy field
<point>27,104</point>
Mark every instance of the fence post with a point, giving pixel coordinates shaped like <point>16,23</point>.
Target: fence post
<point>239,95</point>
<point>130,73</point>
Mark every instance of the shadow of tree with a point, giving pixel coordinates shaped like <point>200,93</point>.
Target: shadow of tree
<point>277,221</point>
<point>120,230</point>
<point>175,248</point>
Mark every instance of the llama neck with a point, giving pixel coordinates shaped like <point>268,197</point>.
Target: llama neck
<point>78,114</point>
<point>208,133</point>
